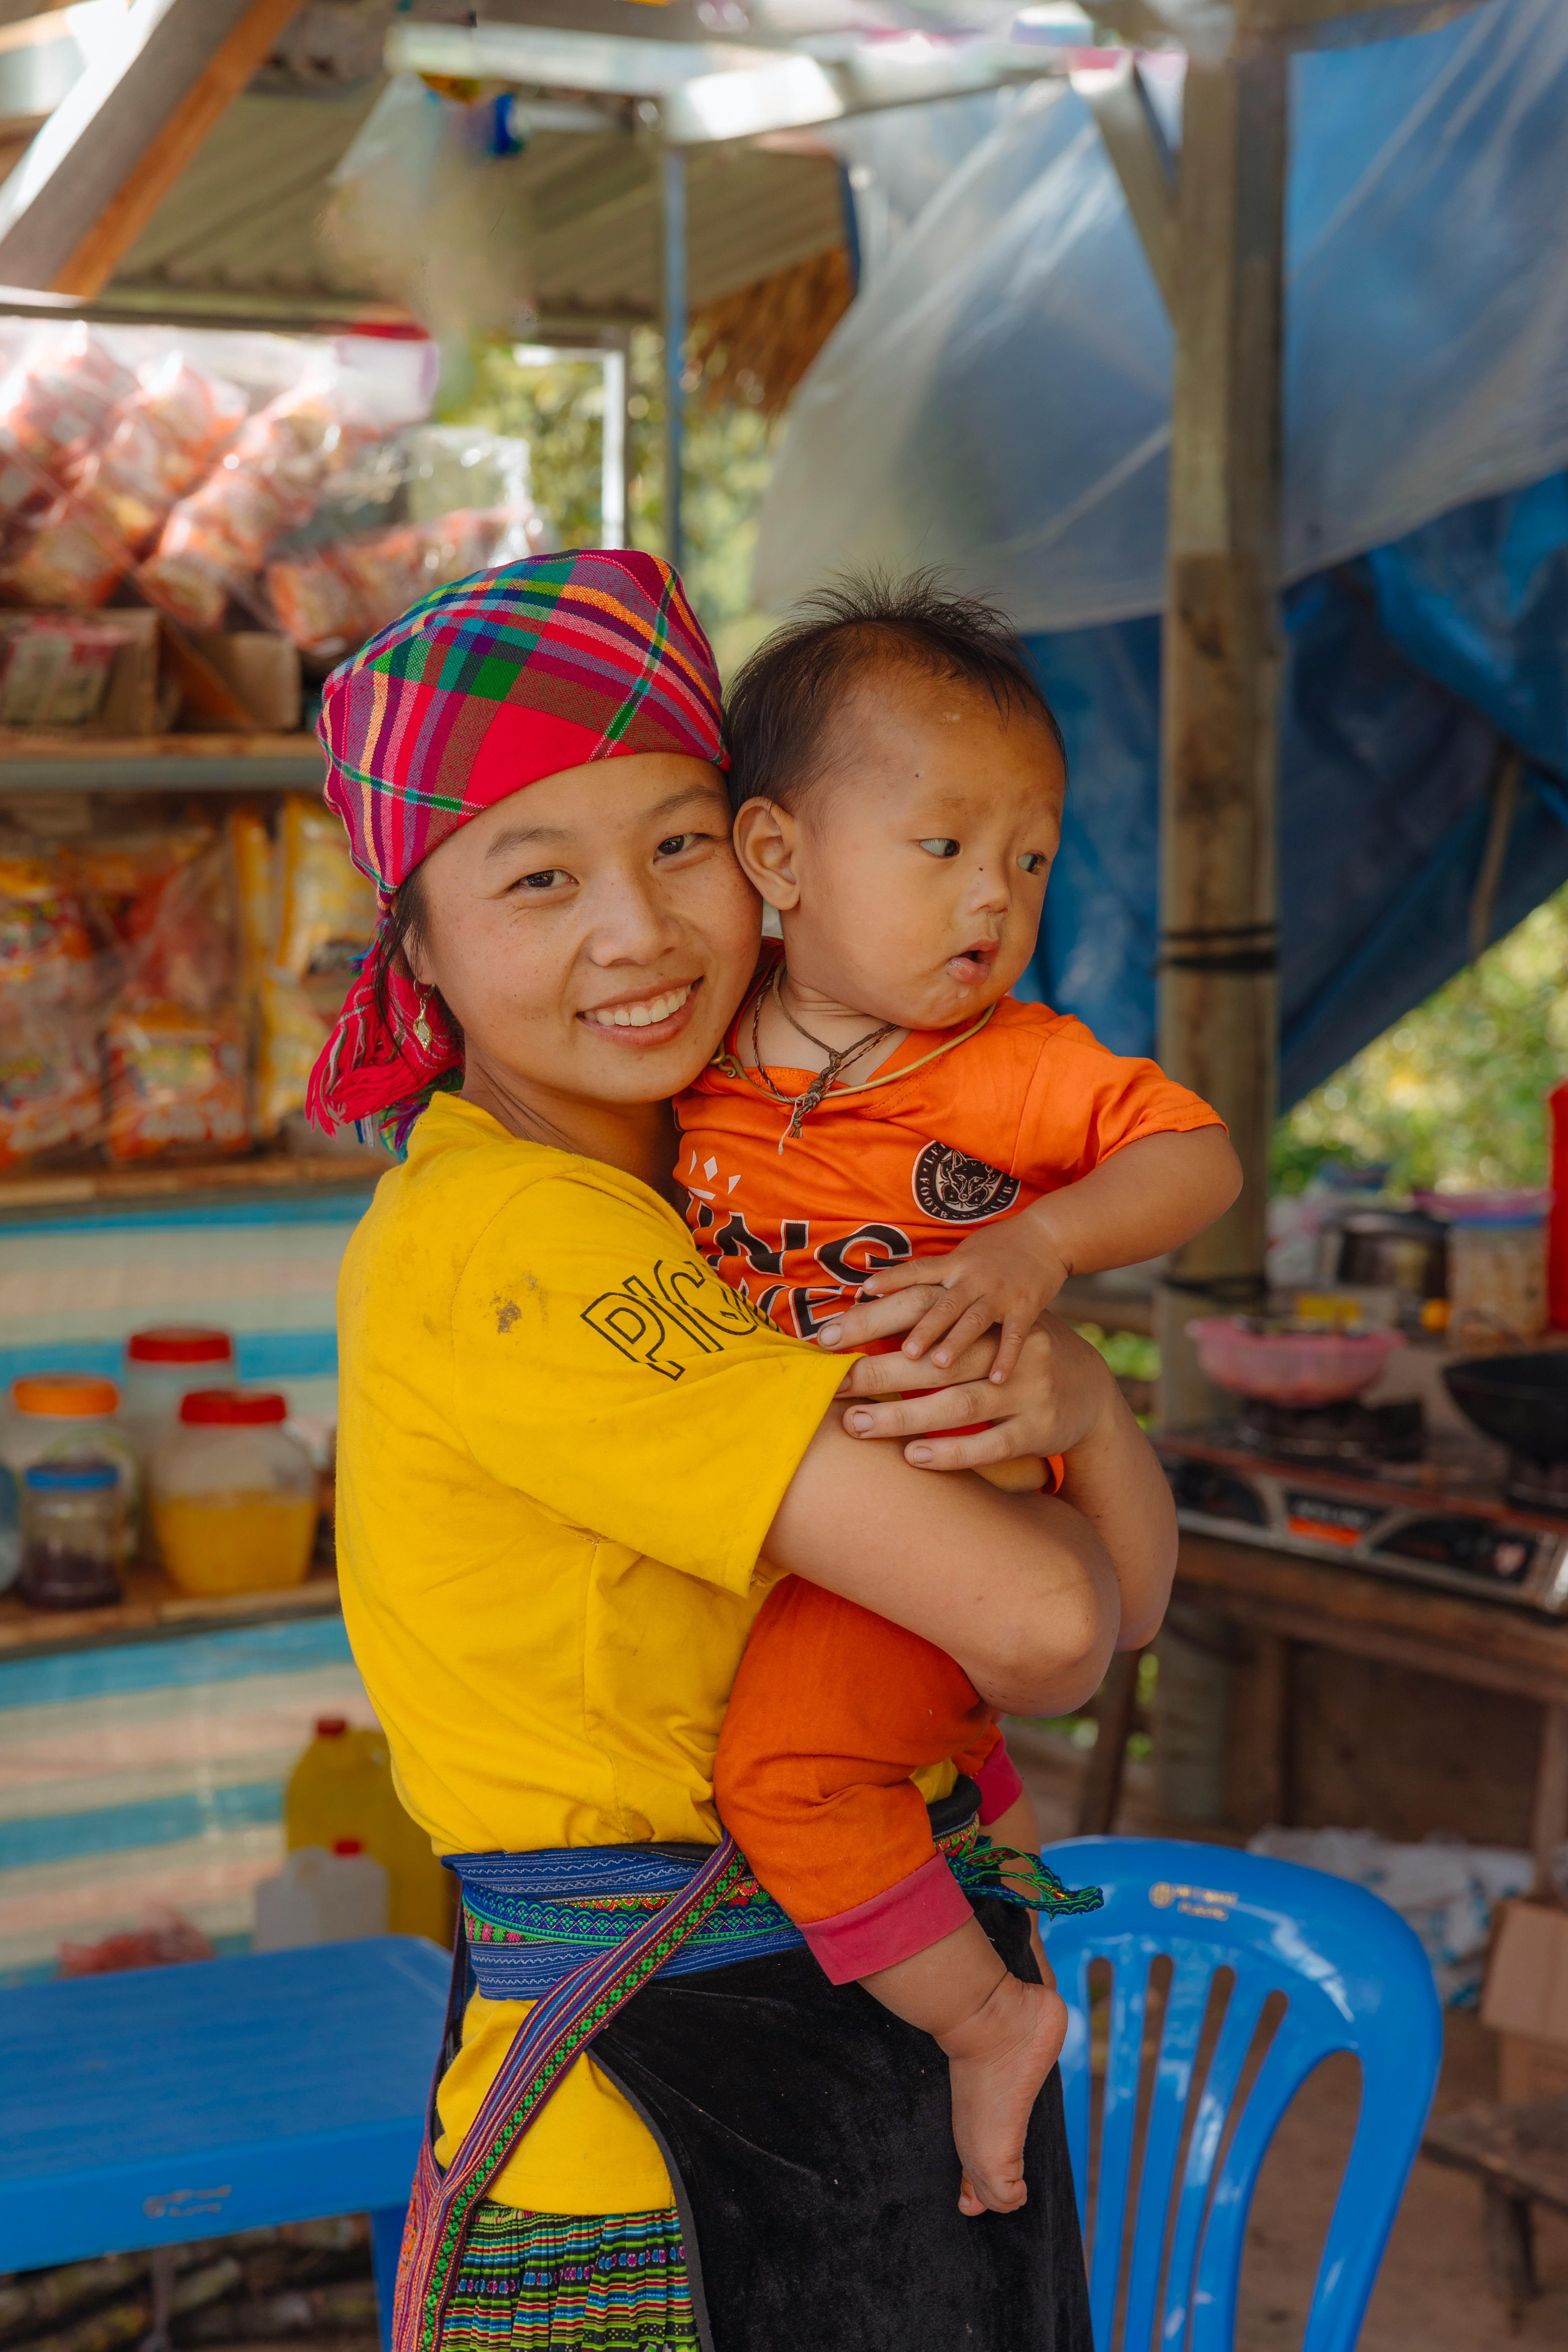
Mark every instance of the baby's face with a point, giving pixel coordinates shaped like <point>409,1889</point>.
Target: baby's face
<point>918,862</point>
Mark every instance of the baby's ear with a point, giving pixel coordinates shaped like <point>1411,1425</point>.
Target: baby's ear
<point>765,837</point>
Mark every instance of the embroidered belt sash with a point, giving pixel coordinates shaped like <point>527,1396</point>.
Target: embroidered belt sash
<point>577,1931</point>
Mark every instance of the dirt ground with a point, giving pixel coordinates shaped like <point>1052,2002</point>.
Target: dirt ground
<point>1434,2292</point>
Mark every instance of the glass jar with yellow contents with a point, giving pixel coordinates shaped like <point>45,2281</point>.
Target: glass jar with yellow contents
<point>233,1494</point>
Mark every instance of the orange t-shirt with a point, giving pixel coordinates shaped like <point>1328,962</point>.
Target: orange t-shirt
<point>833,1708</point>
<point>957,1130</point>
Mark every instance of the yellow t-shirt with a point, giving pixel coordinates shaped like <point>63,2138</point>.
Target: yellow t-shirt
<point>561,1443</point>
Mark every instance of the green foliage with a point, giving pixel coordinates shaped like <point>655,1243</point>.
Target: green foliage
<point>556,408</point>
<point>1131,1355</point>
<point>1452,1094</point>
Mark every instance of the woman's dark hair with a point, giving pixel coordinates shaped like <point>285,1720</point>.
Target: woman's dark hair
<point>404,928</point>
<point>779,705</point>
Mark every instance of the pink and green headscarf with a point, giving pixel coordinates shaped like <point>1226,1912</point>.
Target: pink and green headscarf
<point>477,691</point>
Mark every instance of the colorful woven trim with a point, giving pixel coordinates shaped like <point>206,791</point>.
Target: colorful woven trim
<point>553,2035</point>
<point>532,1918</point>
<point>561,2283</point>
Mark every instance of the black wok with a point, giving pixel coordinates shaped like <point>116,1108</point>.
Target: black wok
<point>1520,1401</point>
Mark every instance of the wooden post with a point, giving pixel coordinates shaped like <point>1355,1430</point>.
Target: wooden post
<point>675,325</point>
<point>1114,1709</point>
<point>1549,1828</point>
<point>1219,1019</point>
<point>1259,1737</point>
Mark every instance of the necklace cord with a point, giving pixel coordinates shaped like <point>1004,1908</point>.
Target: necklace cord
<point>802,1105</point>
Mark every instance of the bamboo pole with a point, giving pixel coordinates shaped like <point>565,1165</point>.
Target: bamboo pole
<point>1219,1018</point>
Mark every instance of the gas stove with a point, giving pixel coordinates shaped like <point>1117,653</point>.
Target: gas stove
<point>1324,1486</point>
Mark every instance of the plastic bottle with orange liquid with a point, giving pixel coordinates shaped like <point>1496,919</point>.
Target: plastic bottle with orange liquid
<point>342,1788</point>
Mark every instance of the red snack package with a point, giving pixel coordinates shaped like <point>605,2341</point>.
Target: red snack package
<point>168,434</point>
<point>57,404</point>
<point>66,559</point>
<point>315,604</point>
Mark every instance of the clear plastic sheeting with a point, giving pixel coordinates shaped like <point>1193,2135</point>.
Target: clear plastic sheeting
<point>997,402</point>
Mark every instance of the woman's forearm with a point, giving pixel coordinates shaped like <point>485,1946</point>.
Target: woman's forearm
<point>1019,1591</point>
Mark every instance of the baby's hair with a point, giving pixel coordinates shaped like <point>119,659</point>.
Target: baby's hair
<point>782,699</point>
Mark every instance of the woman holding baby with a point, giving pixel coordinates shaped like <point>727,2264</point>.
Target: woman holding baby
<point>575,1462</point>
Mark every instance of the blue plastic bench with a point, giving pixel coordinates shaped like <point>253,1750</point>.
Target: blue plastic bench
<point>1354,1978</point>
<point>162,2104</point>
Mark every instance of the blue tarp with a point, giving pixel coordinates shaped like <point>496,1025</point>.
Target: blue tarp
<point>997,402</point>
<point>1408,671</point>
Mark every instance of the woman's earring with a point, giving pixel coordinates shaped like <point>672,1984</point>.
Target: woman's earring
<point>422,1026</point>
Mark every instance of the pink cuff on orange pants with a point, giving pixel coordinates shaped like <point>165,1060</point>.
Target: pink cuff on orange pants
<point>904,1919</point>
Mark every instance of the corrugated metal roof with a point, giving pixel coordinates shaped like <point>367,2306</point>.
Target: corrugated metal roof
<point>243,219</point>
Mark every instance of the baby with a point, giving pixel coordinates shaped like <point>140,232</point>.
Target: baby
<point>897,779</point>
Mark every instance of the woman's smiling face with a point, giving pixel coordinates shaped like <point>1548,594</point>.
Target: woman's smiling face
<point>593,934</point>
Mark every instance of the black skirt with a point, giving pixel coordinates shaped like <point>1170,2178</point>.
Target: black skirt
<point>809,2136</point>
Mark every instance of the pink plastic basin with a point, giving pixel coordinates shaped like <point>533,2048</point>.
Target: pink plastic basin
<point>1299,1368</point>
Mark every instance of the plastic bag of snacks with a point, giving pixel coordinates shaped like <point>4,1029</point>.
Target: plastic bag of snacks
<point>51,1092</point>
<point>215,542</point>
<point>63,559</point>
<point>335,597</point>
<point>176,1082</point>
<point>55,673</point>
<point>51,1081</point>
<point>57,402</point>
<point>160,905</point>
<point>326,910</point>
<point>168,434</point>
<point>46,949</point>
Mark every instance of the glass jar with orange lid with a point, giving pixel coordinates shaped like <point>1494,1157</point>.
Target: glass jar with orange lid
<point>63,1417</point>
<point>233,1494</point>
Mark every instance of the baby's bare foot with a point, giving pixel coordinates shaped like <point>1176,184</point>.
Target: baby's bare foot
<point>997,2062</point>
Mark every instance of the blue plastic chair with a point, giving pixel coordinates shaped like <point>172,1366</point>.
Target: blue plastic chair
<point>163,2104</point>
<point>1354,1978</point>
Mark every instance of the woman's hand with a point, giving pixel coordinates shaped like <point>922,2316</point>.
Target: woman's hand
<point>1059,1395</point>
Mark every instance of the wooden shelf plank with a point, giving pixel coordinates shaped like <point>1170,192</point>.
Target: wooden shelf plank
<point>71,759</point>
<point>153,1605</point>
<point>1488,1643</point>
<point>178,1180</point>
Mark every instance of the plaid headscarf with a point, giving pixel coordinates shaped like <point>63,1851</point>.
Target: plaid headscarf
<point>480,690</point>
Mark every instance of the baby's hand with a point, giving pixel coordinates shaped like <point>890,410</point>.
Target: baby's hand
<point>1008,1274</point>
<point>998,2061</point>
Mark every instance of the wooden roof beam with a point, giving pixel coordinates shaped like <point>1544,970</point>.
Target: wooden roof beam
<point>116,144</point>
<point>1141,155</point>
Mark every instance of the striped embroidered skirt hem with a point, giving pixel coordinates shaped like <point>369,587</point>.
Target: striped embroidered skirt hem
<point>563,2282</point>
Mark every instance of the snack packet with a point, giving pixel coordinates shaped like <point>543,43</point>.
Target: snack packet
<point>161,906</point>
<point>326,910</point>
<point>46,949</point>
<point>294,1021</point>
<point>51,1081</point>
<point>250,847</point>
<point>216,540</point>
<point>176,1082</point>
<point>66,558</point>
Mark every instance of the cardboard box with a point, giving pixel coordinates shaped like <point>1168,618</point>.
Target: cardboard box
<point>263,670</point>
<point>1525,2000</point>
<point>130,705</point>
